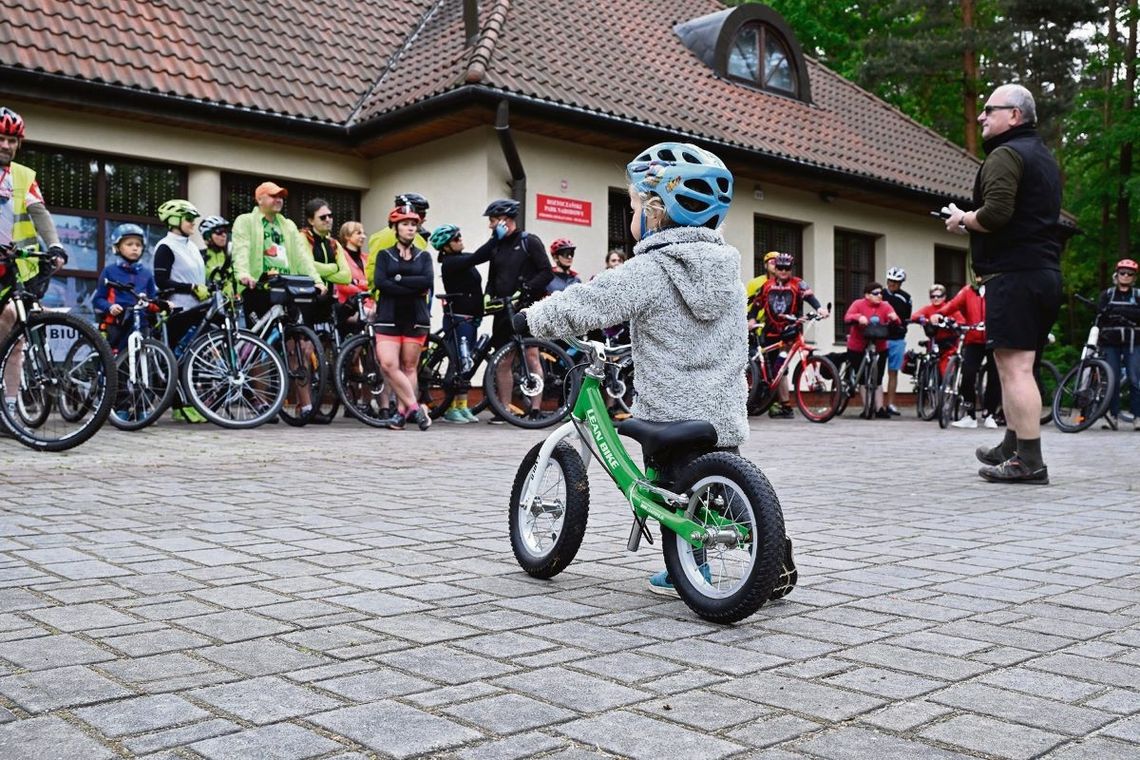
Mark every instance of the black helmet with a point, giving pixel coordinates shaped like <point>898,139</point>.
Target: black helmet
<point>415,200</point>
<point>212,224</point>
<point>503,207</point>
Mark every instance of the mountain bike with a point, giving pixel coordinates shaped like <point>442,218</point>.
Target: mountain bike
<point>357,377</point>
<point>815,380</point>
<point>147,369</point>
<point>283,328</point>
<point>446,368</point>
<point>721,526</point>
<point>863,379</point>
<point>951,406</point>
<point>1086,390</point>
<point>232,377</point>
<point>63,366</point>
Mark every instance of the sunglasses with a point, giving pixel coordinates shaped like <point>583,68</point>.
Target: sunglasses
<point>325,217</point>
<point>782,269</point>
<point>989,110</point>
<point>874,292</point>
<point>567,254</point>
<point>1125,272</point>
<point>937,295</point>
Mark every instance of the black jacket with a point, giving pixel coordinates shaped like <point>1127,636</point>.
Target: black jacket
<point>901,302</point>
<point>518,262</point>
<point>1121,316</point>
<point>462,280</point>
<point>404,288</point>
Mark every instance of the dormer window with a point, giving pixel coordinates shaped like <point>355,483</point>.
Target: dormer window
<point>760,57</point>
<point>750,44</point>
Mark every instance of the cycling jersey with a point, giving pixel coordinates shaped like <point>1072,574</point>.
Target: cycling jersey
<point>403,286</point>
<point>328,257</point>
<point>781,302</point>
<point>384,239</point>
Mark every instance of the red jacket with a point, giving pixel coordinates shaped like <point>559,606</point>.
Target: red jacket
<point>863,308</point>
<point>946,338</point>
<point>973,311</point>
<point>359,282</point>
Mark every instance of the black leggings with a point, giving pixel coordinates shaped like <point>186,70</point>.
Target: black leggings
<point>972,355</point>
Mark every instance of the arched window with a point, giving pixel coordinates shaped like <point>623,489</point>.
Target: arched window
<point>760,56</point>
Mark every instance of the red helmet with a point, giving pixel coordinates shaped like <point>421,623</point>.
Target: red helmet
<point>403,213</point>
<point>1127,264</point>
<point>11,123</point>
<point>561,244</point>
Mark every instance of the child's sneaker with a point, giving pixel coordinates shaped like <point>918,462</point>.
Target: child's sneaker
<point>455,415</point>
<point>470,415</point>
<point>661,583</point>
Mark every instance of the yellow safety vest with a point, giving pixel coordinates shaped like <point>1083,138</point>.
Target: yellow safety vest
<point>23,231</point>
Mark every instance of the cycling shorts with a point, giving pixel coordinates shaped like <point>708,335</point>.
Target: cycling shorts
<point>388,337</point>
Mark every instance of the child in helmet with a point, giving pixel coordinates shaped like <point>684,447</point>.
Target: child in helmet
<point>681,294</point>
<point>215,230</point>
<point>111,302</point>
<point>462,281</point>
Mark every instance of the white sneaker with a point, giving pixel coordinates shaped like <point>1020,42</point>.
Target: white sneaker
<point>1127,417</point>
<point>990,422</point>
<point>965,422</point>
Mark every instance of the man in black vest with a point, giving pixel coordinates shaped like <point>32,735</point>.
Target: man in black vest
<point>1017,253</point>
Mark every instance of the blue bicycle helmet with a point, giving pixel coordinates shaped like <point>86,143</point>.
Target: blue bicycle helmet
<point>694,185</point>
<point>126,230</point>
<point>442,235</point>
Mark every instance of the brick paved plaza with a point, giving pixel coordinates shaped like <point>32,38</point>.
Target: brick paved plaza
<point>341,592</point>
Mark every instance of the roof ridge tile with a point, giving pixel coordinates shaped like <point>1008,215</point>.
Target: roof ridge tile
<point>485,46</point>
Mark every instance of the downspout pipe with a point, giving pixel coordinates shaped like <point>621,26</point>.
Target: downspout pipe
<point>511,154</point>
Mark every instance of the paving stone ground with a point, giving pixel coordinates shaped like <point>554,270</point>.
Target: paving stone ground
<point>341,592</point>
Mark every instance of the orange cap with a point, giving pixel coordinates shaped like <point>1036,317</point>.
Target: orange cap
<point>270,188</point>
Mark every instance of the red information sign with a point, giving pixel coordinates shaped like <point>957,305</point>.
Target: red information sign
<point>567,210</point>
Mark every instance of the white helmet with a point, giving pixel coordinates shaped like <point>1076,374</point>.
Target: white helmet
<point>896,273</point>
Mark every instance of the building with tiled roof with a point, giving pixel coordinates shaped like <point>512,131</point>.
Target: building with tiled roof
<point>130,101</point>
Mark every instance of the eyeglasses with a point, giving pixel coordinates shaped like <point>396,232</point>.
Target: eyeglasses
<point>989,110</point>
<point>874,292</point>
<point>325,217</point>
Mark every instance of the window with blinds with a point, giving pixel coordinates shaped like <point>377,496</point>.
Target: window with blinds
<point>771,234</point>
<point>854,268</point>
<point>618,219</point>
<point>950,268</point>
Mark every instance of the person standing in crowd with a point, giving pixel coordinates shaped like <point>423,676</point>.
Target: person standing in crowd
<point>403,277</point>
<point>215,230</point>
<point>781,299</point>
<point>615,258</point>
<point>329,258</point>
<point>1016,248</point>
<point>1118,334</point>
<point>518,265</point>
<point>562,253</point>
<point>179,267</point>
<point>386,238</point>
<point>23,215</point>
<point>930,316</point>
<point>970,308</point>
<point>899,300</point>
<point>752,287</point>
<point>869,310</point>
<point>352,239</point>
<point>265,241</point>
<point>463,283</point>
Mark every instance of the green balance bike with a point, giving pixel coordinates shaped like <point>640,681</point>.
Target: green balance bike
<point>722,529</point>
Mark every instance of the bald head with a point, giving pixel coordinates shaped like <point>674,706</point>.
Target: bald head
<point>1009,106</point>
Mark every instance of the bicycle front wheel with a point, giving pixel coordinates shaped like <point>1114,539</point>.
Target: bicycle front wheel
<point>1083,395</point>
<point>145,389</point>
<point>951,395</point>
<point>547,533</point>
<point>535,390</point>
<point>67,382</point>
<point>816,384</point>
<point>359,382</point>
<point>1048,383</point>
<point>926,403</point>
<point>235,383</point>
<point>868,384</point>
<point>733,574</point>
<point>308,374</point>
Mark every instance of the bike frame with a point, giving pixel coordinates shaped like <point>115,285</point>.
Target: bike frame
<point>600,441</point>
<point>798,351</point>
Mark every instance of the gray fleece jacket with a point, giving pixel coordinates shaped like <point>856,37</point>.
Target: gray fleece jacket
<point>682,295</point>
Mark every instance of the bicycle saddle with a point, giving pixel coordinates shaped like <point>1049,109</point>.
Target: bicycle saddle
<point>662,441</point>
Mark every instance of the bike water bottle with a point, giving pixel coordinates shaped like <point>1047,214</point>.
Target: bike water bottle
<point>464,354</point>
<point>482,342</point>
<point>182,344</point>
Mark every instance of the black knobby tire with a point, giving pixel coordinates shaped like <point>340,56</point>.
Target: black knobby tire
<point>304,366</point>
<point>868,385</point>
<point>950,394</point>
<point>438,374</point>
<point>359,381</point>
<point>325,412</point>
<point>1048,383</point>
<point>144,399</point>
<point>560,518</point>
<point>789,575</point>
<point>34,405</point>
<point>816,387</point>
<point>84,373</point>
<point>847,386</point>
<point>532,407</point>
<point>736,489</point>
<point>928,402</point>
<point>761,396</point>
<point>238,385</point>
<point>1084,395</point>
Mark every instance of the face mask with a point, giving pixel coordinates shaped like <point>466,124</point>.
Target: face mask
<point>501,230</point>
<point>645,231</point>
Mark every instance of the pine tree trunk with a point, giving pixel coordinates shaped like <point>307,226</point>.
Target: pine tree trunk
<point>1123,202</point>
<point>970,79</point>
<point>1106,205</point>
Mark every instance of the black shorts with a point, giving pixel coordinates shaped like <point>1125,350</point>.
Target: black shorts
<point>501,330</point>
<point>402,331</point>
<point>1021,308</point>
